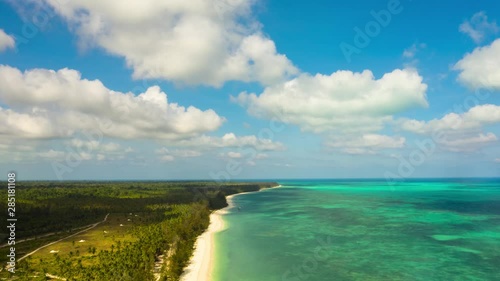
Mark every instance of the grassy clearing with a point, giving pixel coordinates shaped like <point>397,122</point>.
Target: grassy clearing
<point>84,247</point>
<point>126,245</point>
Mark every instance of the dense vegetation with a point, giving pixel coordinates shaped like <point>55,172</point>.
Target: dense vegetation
<point>173,214</point>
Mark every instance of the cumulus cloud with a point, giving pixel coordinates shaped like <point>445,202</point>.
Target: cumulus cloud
<point>6,41</point>
<point>52,104</point>
<point>52,154</point>
<point>40,105</point>
<point>96,145</point>
<point>478,27</point>
<point>344,101</point>
<point>191,42</point>
<point>261,156</point>
<point>468,143</point>
<point>232,155</point>
<point>15,150</point>
<point>458,132</point>
<point>246,146</point>
<point>481,68</point>
<point>230,140</point>
<point>166,154</point>
<point>100,150</point>
<point>474,119</point>
<point>77,150</point>
<point>366,144</point>
<point>186,153</point>
<point>167,158</point>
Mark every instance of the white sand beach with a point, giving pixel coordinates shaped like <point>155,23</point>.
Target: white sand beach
<point>201,264</point>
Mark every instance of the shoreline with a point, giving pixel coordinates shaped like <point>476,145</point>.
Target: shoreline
<point>200,266</point>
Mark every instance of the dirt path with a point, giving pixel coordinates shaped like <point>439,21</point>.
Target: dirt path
<point>74,234</point>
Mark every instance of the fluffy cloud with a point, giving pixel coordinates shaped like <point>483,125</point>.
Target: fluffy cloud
<point>247,146</point>
<point>412,51</point>
<point>167,158</point>
<point>468,143</point>
<point>40,105</point>
<point>234,155</point>
<point>49,104</point>
<point>481,68</point>
<point>6,41</point>
<point>16,151</point>
<point>344,101</point>
<point>478,27</point>
<point>166,154</point>
<point>78,150</point>
<point>191,42</point>
<point>410,54</point>
<point>230,140</point>
<point>261,156</point>
<point>366,144</point>
<point>474,119</point>
<point>458,132</point>
<point>52,154</point>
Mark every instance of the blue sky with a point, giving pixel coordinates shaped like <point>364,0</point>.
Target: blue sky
<point>220,89</point>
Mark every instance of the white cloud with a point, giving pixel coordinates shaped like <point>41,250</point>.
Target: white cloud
<point>468,143</point>
<point>261,156</point>
<point>167,158</point>
<point>84,150</point>
<point>365,144</point>
<point>185,153</point>
<point>474,119</point>
<point>52,154</point>
<point>497,160</point>
<point>283,165</point>
<point>344,101</point>
<point>49,104</point>
<point>102,147</point>
<point>481,68</point>
<point>478,27</point>
<point>6,41</point>
<point>458,132</point>
<point>234,155</point>
<point>15,150</point>
<point>246,147</point>
<point>247,157</point>
<point>162,150</point>
<point>181,153</point>
<point>412,51</point>
<point>410,55</point>
<point>192,42</point>
<point>230,140</point>
<point>27,125</point>
<point>16,146</point>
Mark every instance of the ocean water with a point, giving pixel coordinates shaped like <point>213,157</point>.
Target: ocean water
<point>363,230</point>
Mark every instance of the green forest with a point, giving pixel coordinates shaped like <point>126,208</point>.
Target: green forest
<point>136,230</point>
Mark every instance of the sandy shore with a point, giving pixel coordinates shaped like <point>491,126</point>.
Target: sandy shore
<point>200,266</point>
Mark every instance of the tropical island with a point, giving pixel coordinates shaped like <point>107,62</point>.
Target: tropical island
<point>111,230</point>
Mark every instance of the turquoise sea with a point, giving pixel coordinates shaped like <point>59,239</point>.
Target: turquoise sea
<point>363,230</point>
